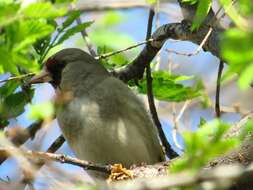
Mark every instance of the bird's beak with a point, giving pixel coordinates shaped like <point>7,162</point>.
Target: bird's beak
<point>43,76</point>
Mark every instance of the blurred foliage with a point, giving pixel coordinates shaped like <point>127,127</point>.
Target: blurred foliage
<point>236,47</point>
<point>167,88</point>
<point>237,42</point>
<point>207,143</point>
<point>203,7</point>
<point>108,40</point>
<point>47,113</point>
<point>204,145</point>
<point>27,35</point>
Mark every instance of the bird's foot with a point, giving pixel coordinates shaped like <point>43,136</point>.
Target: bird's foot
<point>118,173</point>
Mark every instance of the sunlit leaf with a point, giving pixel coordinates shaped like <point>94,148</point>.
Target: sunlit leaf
<point>151,1</point>
<point>246,77</point>
<point>70,32</point>
<point>111,18</point>
<point>7,61</point>
<point>237,50</point>
<point>203,145</point>
<point>234,13</point>
<point>13,105</point>
<point>165,87</point>
<point>70,19</point>
<point>41,111</point>
<point>8,88</point>
<point>201,13</point>
<point>8,13</point>
<point>247,129</point>
<point>30,31</point>
<point>192,2</point>
<point>43,10</point>
<point>103,38</point>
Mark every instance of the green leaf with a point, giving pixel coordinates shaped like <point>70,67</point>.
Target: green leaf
<point>201,13</point>
<point>202,122</point>
<point>41,111</point>
<point>191,2</point>
<point>8,88</point>
<point>70,19</point>
<point>234,14</point>
<point>8,13</point>
<point>103,38</point>
<point>70,32</point>
<point>30,31</point>
<point>166,88</point>
<point>3,123</point>
<point>43,10</point>
<point>65,1</point>
<point>7,62</point>
<point>247,129</point>
<point>111,18</point>
<point>112,62</point>
<point>151,1</point>
<point>237,50</point>
<point>246,77</point>
<point>203,145</point>
<point>13,105</point>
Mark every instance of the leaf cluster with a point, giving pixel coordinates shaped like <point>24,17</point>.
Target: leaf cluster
<point>27,35</point>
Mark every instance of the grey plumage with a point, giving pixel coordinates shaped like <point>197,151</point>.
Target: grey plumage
<point>103,122</point>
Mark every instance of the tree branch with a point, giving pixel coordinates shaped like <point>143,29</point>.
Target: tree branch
<point>217,95</point>
<point>168,150</point>
<point>86,39</point>
<point>177,31</point>
<point>46,156</point>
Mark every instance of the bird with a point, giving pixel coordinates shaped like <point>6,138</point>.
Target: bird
<point>103,121</point>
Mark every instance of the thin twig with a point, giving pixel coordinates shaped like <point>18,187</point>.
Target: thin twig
<point>52,149</point>
<point>56,144</point>
<point>186,104</point>
<point>176,123</point>
<point>217,95</point>
<point>157,24</point>
<point>20,77</point>
<point>212,23</point>
<point>169,151</point>
<point>46,156</point>
<point>103,56</point>
<point>86,39</point>
<point>199,47</point>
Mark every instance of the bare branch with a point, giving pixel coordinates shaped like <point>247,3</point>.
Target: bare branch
<point>56,144</point>
<point>86,39</point>
<point>46,156</point>
<point>105,55</point>
<point>198,48</point>
<point>16,78</point>
<point>220,177</point>
<point>169,151</point>
<point>217,95</point>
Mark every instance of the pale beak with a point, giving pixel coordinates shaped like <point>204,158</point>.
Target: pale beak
<point>43,76</point>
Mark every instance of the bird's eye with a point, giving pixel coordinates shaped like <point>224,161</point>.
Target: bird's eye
<point>55,67</point>
<point>51,63</point>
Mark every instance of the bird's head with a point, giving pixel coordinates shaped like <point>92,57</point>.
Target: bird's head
<point>54,66</point>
